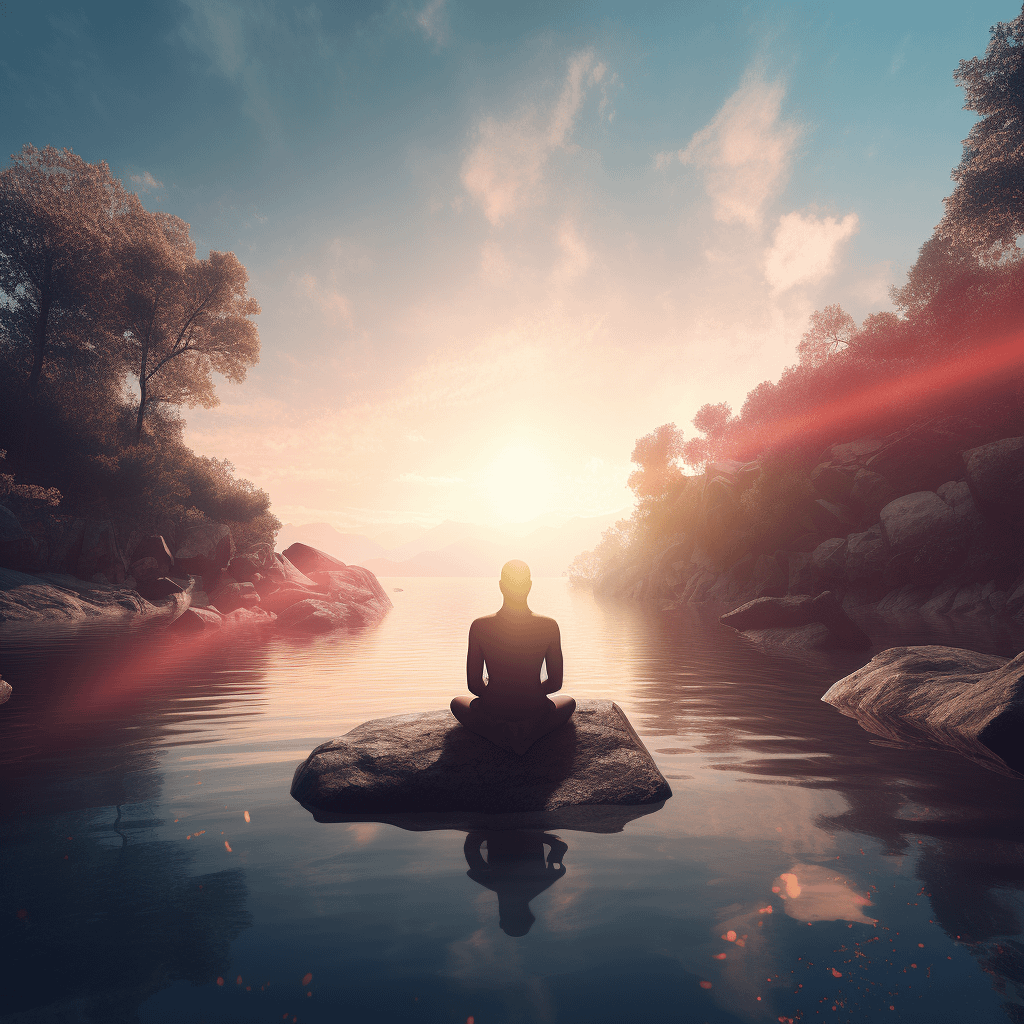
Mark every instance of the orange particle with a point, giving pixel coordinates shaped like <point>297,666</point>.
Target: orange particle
<point>765,910</point>
<point>705,984</point>
<point>309,995</point>
<point>469,1020</point>
<point>220,981</point>
<point>741,942</point>
<point>759,999</point>
<point>238,980</point>
<point>306,979</point>
<point>913,965</point>
<point>920,945</point>
<point>246,815</point>
<point>721,956</point>
<point>22,914</point>
<point>836,974</point>
<point>227,846</point>
<point>730,936</point>
<point>775,888</point>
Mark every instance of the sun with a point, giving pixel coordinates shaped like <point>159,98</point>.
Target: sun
<point>519,484</point>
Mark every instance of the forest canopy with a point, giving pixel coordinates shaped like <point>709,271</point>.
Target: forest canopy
<point>109,324</point>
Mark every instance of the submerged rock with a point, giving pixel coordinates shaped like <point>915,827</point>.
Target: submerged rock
<point>429,763</point>
<point>5,690</point>
<point>941,697</point>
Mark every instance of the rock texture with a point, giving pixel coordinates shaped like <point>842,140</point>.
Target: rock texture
<point>808,623</point>
<point>922,522</point>
<point>429,763</point>
<point>941,697</point>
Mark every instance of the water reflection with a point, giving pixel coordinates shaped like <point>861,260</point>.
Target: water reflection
<point>98,914</point>
<point>516,869</point>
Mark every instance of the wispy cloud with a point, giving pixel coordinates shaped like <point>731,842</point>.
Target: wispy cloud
<point>145,182</point>
<point>575,258</point>
<point>504,170</point>
<point>432,23</point>
<point>805,248</point>
<point>331,303</point>
<point>744,152</point>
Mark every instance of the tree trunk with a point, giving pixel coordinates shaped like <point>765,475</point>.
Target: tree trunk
<point>39,334</point>
<point>142,389</point>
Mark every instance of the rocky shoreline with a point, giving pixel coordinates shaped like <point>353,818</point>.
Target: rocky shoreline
<point>914,523</point>
<point>58,569</point>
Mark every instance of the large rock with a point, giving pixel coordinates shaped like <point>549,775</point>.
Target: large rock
<point>925,538</point>
<point>157,548</point>
<point>829,560</point>
<point>308,559</point>
<point>941,697</point>
<point>430,763</point>
<point>768,579</point>
<point>834,483</point>
<point>867,555</point>
<point>205,548</point>
<point>770,613</point>
<point>995,475</point>
<point>871,493</point>
<point>57,598</point>
<point>916,460</point>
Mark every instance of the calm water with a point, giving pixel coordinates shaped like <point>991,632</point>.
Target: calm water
<point>153,866</point>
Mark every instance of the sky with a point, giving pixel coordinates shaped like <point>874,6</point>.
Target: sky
<point>496,243</point>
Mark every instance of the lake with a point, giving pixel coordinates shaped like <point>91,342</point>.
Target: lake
<point>153,866</point>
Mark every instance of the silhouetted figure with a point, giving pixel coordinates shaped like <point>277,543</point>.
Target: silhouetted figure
<point>511,706</point>
<point>516,870</point>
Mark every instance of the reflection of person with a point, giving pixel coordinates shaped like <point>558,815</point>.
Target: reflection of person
<point>516,870</point>
<point>511,706</point>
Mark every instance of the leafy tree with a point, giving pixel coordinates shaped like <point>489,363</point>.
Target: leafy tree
<point>656,454</point>
<point>57,217</point>
<point>183,317</point>
<point>986,208</point>
<point>713,421</point>
<point>830,333</point>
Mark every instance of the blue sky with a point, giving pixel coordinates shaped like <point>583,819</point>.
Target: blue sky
<point>496,243</point>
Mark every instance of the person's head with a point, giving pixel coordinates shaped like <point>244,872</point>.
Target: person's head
<point>515,580</point>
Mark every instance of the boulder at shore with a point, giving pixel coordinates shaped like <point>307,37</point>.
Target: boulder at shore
<point>801,622</point>
<point>941,697</point>
<point>428,762</point>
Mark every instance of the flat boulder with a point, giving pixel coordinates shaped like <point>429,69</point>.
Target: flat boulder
<point>428,762</point>
<point>155,547</point>
<point>941,697</point>
<point>792,618</point>
<point>308,559</point>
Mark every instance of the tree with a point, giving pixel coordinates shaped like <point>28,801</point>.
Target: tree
<point>986,208</point>
<point>830,333</point>
<point>57,216</point>
<point>656,454</point>
<point>713,421</point>
<point>183,317</point>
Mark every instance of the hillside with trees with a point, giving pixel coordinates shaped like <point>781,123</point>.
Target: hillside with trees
<point>941,376</point>
<point>110,324</point>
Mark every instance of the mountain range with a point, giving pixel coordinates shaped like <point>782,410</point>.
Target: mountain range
<point>548,545</point>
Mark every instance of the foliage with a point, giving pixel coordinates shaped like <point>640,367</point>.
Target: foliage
<point>714,422</point>
<point>987,206</point>
<point>96,291</point>
<point>656,454</point>
<point>830,333</point>
<point>57,226</point>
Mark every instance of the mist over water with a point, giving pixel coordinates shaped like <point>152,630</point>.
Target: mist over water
<point>155,867</point>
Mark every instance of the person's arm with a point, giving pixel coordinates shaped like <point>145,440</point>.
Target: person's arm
<point>475,663</point>
<point>553,658</point>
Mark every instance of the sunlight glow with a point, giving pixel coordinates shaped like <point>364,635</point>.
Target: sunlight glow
<point>519,484</point>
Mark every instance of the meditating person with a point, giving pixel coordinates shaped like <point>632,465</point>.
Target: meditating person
<point>511,706</point>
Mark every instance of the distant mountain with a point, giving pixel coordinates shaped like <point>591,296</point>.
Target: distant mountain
<point>351,548</point>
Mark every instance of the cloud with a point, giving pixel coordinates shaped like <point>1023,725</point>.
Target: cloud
<point>329,300</point>
<point>431,21</point>
<point>145,182</point>
<point>503,171</point>
<point>804,249</point>
<point>744,152</point>
<point>576,256</point>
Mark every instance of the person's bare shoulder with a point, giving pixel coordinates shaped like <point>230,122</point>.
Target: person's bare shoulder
<point>547,624</point>
<point>482,624</point>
